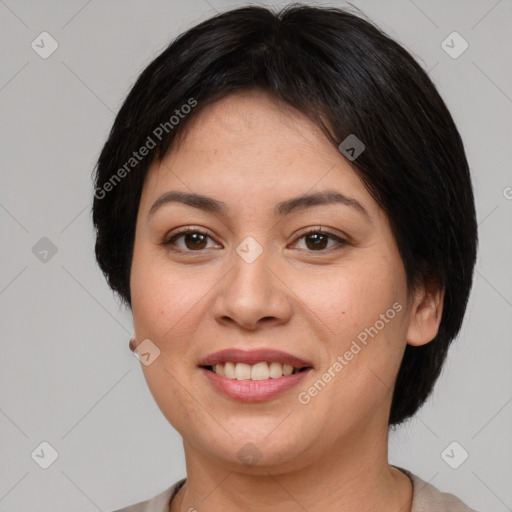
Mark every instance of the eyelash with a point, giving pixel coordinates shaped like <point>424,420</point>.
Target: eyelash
<point>169,242</point>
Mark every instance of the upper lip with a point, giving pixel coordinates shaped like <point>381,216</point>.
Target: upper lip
<point>251,357</point>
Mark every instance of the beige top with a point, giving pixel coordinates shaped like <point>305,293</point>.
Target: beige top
<point>425,498</point>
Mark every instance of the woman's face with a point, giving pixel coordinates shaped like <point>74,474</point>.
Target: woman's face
<point>257,280</point>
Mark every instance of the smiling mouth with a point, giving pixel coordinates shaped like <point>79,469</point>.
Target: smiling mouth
<point>263,370</point>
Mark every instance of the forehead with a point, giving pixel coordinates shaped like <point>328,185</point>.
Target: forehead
<point>250,145</point>
<point>251,117</point>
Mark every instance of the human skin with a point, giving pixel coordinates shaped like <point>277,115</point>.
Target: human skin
<point>251,152</point>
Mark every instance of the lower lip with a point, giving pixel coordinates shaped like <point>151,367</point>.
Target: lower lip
<point>254,390</point>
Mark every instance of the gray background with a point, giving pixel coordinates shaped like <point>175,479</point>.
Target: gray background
<point>67,376</point>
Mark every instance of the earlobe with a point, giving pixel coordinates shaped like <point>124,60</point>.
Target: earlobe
<point>426,315</point>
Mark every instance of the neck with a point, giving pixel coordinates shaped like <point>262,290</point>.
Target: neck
<point>341,480</point>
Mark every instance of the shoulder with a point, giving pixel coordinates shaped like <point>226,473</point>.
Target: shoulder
<point>158,503</point>
<point>427,498</point>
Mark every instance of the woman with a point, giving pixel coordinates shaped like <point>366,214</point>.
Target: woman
<point>285,205</point>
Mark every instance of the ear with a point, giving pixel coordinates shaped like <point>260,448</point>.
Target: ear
<point>426,314</point>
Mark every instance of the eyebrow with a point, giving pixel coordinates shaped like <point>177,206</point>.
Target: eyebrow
<point>209,204</point>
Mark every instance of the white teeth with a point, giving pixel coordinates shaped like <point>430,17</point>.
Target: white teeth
<point>229,370</point>
<point>287,369</point>
<point>258,371</point>
<point>276,370</point>
<point>242,371</point>
<point>218,369</point>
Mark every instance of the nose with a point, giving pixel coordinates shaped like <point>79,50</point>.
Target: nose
<point>252,294</point>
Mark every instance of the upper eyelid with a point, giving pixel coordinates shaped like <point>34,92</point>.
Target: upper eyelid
<point>186,230</point>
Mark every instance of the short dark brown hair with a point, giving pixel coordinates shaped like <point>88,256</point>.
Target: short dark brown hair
<point>350,78</point>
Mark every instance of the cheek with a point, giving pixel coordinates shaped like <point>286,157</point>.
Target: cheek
<point>350,298</point>
<point>168,304</point>
<point>361,350</point>
<point>360,310</point>
<point>165,308</point>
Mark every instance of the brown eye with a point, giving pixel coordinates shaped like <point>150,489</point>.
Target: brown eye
<point>191,240</point>
<point>195,240</point>
<point>318,241</point>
